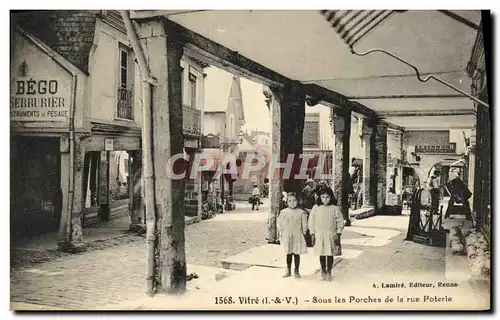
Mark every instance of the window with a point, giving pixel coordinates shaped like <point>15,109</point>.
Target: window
<point>311,134</point>
<point>125,84</point>
<point>192,90</point>
<point>123,68</point>
<point>182,85</point>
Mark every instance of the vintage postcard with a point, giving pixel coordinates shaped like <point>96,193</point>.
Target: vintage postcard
<point>250,159</point>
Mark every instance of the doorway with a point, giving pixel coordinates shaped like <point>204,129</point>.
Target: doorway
<point>36,195</point>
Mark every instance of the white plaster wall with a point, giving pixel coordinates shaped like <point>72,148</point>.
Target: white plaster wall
<point>214,123</point>
<point>104,77</point>
<point>39,65</point>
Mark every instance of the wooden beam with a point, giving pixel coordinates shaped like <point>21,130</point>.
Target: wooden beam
<point>148,14</point>
<point>323,94</point>
<point>204,49</point>
<point>151,14</point>
<point>434,128</point>
<point>337,99</point>
<point>417,113</point>
<point>362,109</point>
<point>409,96</point>
<point>391,126</point>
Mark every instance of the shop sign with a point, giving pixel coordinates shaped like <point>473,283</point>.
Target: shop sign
<point>39,99</point>
<point>437,149</point>
<point>108,144</point>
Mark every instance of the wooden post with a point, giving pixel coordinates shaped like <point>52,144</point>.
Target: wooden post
<point>198,184</point>
<point>342,134</point>
<point>482,164</point>
<point>86,171</point>
<point>276,176</point>
<point>71,240</point>
<point>472,169</point>
<point>381,164</point>
<point>288,116</point>
<point>94,164</point>
<point>104,185</point>
<point>137,214</point>
<point>65,213</point>
<point>368,199</point>
<point>164,53</point>
<point>293,114</point>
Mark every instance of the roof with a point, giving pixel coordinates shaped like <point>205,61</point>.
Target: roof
<point>68,32</point>
<point>236,99</point>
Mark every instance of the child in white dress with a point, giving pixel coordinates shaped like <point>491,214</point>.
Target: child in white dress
<point>325,225</point>
<point>292,226</point>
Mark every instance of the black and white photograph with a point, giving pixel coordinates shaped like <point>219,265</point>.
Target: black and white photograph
<point>258,159</point>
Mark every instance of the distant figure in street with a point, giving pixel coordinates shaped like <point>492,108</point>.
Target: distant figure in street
<point>416,182</point>
<point>433,187</point>
<point>326,224</point>
<point>308,194</point>
<point>353,175</point>
<point>255,197</point>
<point>292,227</point>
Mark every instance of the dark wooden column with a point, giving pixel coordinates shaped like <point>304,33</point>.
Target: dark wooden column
<point>368,164</point>
<point>276,178</point>
<point>104,185</point>
<point>72,239</point>
<point>381,164</point>
<point>482,177</point>
<point>342,134</point>
<point>163,52</point>
<point>288,114</point>
<point>94,165</point>
<point>293,113</point>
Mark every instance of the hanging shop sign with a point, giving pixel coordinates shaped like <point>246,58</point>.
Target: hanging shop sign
<point>39,99</point>
<point>437,149</point>
<point>109,144</point>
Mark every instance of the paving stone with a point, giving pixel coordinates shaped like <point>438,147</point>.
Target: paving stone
<point>116,276</point>
<point>98,278</point>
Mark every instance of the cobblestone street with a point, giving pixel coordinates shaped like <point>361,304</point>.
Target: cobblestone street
<point>110,275</point>
<point>115,275</point>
